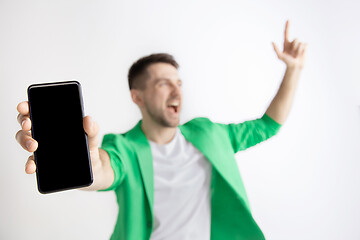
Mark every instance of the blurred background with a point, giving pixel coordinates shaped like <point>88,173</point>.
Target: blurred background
<point>304,183</point>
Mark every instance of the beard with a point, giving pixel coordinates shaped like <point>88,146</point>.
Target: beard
<point>160,118</point>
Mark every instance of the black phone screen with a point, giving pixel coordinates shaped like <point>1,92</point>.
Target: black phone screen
<point>62,157</point>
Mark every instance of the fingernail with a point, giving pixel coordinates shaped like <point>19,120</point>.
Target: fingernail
<point>28,144</point>
<point>22,123</point>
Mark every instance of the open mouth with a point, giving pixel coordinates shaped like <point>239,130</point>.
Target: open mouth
<point>173,108</point>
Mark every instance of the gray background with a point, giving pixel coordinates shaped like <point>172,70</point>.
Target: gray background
<point>304,183</point>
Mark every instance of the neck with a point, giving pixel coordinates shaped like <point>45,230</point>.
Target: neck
<point>157,133</point>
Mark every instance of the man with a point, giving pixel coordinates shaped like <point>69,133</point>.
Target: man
<point>178,181</point>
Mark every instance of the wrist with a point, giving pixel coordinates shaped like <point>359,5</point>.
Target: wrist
<point>294,67</point>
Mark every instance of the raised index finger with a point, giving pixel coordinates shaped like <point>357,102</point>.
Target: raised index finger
<point>287,31</point>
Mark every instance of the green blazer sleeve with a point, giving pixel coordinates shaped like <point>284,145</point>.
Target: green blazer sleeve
<point>249,133</point>
<point>110,144</point>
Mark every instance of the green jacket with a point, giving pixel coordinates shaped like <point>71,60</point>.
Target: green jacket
<point>131,160</point>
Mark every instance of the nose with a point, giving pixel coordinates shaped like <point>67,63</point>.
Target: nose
<point>176,90</point>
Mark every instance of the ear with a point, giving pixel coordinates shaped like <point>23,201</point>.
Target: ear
<point>137,97</point>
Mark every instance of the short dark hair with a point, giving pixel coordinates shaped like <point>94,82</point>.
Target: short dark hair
<point>136,81</point>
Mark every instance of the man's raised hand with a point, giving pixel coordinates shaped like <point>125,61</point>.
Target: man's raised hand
<point>294,53</point>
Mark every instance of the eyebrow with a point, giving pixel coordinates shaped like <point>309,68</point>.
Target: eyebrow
<point>167,79</point>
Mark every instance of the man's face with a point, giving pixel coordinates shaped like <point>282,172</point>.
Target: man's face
<point>162,96</point>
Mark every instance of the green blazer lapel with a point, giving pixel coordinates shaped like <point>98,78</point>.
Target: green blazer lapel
<point>144,157</point>
<point>220,158</point>
<point>205,145</point>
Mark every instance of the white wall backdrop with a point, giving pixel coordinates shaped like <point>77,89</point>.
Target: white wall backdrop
<point>304,183</point>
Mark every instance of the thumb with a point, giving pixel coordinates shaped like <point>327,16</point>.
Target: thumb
<point>91,128</point>
<point>277,51</point>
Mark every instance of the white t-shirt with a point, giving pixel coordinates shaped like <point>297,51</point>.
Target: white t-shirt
<point>181,191</point>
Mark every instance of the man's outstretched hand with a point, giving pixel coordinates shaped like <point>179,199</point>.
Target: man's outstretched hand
<point>294,52</point>
<point>100,161</point>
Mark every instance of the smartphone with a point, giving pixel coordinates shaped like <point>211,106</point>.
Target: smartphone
<point>62,158</point>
